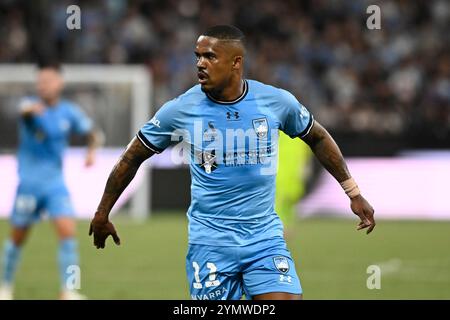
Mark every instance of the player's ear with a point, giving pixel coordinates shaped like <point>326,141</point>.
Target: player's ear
<point>237,62</point>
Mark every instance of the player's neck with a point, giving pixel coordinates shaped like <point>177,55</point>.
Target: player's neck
<point>52,102</point>
<point>230,93</point>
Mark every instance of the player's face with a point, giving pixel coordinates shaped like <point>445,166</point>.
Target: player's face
<point>214,64</point>
<point>49,84</point>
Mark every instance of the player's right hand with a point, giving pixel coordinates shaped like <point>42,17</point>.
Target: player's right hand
<point>34,108</point>
<point>102,228</point>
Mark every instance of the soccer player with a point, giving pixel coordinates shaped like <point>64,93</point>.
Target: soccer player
<point>229,126</point>
<point>293,162</point>
<point>45,125</point>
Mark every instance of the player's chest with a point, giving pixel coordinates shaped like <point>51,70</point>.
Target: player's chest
<point>228,123</point>
<point>54,124</point>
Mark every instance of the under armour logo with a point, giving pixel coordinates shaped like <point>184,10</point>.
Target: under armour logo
<point>235,115</point>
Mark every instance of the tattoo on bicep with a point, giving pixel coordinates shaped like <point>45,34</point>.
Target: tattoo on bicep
<point>137,152</point>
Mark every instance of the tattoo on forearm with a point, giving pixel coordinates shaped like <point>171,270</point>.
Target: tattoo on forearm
<point>331,158</point>
<point>327,152</point>
<point>122,174</point>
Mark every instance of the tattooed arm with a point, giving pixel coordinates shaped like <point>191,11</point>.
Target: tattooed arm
<point>119,178</point>
<point>327,152</point>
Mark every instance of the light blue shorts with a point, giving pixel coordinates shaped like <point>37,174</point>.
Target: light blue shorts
<point>226,273</point>
<point>32,202</point>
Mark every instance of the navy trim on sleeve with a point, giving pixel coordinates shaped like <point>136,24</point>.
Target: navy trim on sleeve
<point>308,128</point>
<point>147,143</point>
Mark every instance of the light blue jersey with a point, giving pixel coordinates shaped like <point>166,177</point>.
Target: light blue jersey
<point>232,148</point>
<point>43,139</point>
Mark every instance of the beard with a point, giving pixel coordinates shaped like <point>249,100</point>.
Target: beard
<point>214,91</point>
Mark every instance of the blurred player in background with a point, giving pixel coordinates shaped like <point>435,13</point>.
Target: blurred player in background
<point>236,243</point>
<point>45,126</point>
<point>293,162</point>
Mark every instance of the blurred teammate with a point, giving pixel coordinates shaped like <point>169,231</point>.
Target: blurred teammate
<point>45,126</point>
<point>236,243</point>
<point>293,161</point>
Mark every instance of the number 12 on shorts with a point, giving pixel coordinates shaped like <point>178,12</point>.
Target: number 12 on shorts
<point>212,282</point>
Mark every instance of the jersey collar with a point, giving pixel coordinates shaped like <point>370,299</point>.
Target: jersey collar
<point>240,98</point>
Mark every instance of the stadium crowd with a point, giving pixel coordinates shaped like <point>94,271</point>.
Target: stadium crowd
<point>392,82</point>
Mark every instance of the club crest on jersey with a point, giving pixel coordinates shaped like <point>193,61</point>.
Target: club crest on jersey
<point>261,127</point>
<point>207,160</point>
<point>282,264</point>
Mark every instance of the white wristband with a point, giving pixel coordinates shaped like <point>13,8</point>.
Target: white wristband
<point>350,187</point>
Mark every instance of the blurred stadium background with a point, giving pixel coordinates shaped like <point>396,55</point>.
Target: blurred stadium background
<point>383,94</point>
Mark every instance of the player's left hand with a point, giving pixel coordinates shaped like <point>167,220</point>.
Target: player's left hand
<point>102,228</point>
<point>364,211</point>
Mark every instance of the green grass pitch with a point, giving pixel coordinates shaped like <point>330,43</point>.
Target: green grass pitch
<point>331,259</point>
